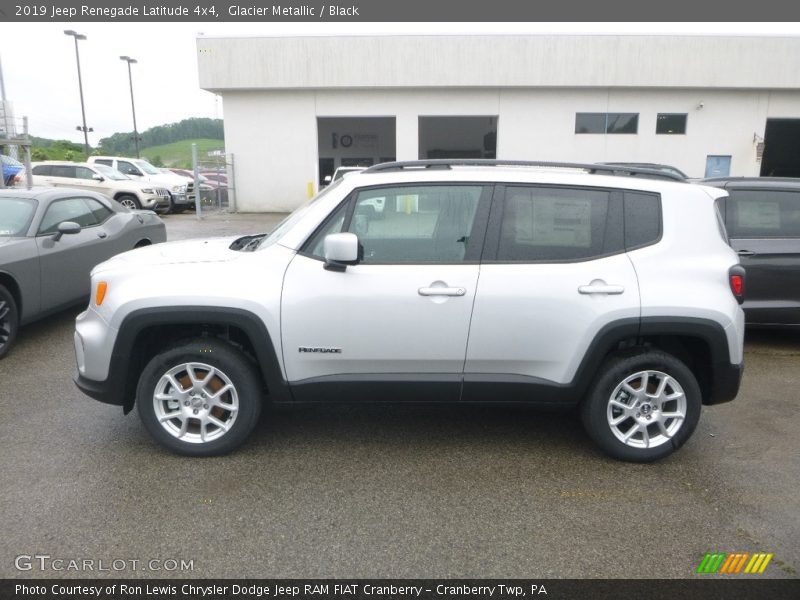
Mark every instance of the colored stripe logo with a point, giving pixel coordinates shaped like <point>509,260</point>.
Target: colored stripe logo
<point>734,563</point>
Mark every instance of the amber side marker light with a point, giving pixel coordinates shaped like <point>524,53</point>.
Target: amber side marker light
<point>100,294</point>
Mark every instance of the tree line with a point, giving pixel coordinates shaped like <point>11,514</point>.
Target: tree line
<point>188,129</point>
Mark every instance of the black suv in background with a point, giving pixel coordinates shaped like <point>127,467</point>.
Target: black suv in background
<point>762,216</point>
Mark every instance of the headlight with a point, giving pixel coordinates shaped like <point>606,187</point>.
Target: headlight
<point>178,188</point>
<point>147,190</point>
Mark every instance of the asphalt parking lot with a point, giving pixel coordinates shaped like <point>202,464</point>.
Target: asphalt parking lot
<point>390,491</point>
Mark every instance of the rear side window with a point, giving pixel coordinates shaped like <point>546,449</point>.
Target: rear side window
<point>41,170</point>
<point>62,171</point>
<point>103,161</point>
<point>642,219</point>
<point>552,224</point>
<point>763,214</point>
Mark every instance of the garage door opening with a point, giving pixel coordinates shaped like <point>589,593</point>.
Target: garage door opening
<point>458,137</point>
<point>354,142</point>
<point>781,148</point>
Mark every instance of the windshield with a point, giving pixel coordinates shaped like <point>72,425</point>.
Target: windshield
<point>147,167</point>
<point>293,218</point>
<point>110,173</point>
<point>15,216</point>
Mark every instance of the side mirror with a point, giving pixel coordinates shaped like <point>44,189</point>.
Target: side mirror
<point>341,249</point>
<point>68,228</point>
<point>98,178</point>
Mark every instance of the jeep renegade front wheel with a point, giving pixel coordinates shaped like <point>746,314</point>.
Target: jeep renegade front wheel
<point>202,398</point>
<point>642,407</point>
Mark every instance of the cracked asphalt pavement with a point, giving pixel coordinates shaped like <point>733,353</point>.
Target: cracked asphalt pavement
<point>390,491</point>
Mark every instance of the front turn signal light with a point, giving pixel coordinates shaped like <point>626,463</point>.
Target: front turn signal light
<point>100,293</point>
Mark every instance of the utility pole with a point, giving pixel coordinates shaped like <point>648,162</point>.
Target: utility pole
<point>84,129</point>
<point>131,61</point>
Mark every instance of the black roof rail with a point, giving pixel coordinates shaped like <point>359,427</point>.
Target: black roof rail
<point>447,163</point>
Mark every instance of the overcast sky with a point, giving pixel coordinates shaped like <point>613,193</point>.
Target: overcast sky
<point>38,63</point>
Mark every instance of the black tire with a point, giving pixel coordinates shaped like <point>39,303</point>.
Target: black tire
<point>129,201</point>
<point>231,365</point>
<point>9,321</point>
<point>597,412</point>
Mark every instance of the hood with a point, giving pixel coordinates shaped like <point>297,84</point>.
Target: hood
<point>172,253</point>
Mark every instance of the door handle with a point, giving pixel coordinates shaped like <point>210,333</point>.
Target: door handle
<point>600,288</point>
<point>102,234</point>
<point>442,291</point>
<point>746,253</point>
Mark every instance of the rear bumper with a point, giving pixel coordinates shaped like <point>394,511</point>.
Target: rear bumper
<point>725,383</point>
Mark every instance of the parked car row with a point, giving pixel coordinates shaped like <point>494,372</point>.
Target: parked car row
<point>50,239</point>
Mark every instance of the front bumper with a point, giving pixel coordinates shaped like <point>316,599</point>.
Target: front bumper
<point>180,199</point>
<point>100,390</point>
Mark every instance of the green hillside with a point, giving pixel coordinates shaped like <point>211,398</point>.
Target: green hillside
<point>179,154</point>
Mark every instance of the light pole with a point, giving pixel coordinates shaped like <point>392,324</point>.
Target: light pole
<point>84,129</point>
<point>131,61</point>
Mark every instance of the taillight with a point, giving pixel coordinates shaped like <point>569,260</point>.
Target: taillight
<point>736,280</point>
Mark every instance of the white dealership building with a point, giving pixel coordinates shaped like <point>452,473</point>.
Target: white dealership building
<point>298,107</point>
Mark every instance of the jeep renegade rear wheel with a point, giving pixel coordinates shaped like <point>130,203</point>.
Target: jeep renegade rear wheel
<point>200,399</point>
<point>642,407</point>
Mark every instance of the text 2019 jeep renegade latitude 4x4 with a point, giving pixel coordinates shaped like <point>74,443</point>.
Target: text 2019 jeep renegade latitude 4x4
<point>497,282</point>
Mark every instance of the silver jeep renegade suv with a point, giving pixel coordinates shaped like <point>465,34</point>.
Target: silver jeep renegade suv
<point>480,281</point>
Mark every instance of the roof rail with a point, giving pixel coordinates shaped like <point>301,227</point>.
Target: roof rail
<point>446,163</point>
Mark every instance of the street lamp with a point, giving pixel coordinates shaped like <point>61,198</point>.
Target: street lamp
<point>131,61</point>
<point>84,129</point>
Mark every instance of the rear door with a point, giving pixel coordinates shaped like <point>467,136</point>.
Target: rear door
<point>62,176</point>
<point>554,273</point>
<point>764,228</point>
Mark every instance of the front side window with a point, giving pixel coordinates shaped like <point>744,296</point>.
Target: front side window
<point>763,213</point>
<point>127,168</point>
<point>416,224</point>
<point>41,170</point>
<point>556,224</point>
<point>84,173</point>
<point>70,209</point>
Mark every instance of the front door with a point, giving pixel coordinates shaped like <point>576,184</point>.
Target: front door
<point>394,326</point>
<point>66,262</point>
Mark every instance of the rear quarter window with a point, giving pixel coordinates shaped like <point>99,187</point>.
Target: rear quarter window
<point>642,219</point>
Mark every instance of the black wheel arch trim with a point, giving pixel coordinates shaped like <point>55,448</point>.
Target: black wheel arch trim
<point>119,388</point>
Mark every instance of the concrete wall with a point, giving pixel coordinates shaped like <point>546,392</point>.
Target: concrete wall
<point>499,61</point>
<point>275,88</point>
<point>273,134</point>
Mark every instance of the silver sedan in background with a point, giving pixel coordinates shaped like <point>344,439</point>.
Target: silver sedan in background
<point>50,239</point>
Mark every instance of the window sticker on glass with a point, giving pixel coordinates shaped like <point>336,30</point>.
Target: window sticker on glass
<point>557,221</point>
<point>758,215</point>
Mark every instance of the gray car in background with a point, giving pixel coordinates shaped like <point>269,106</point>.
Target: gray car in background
<point>50,239</point>
<point>762,216</point>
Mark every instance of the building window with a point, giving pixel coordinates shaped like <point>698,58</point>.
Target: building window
<point>606,122</point>
<point>671,123</point>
